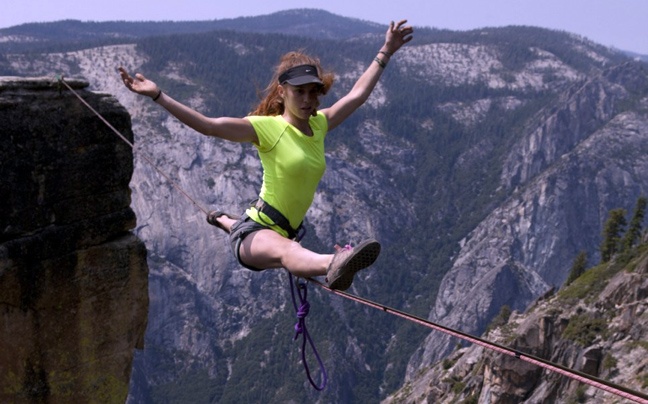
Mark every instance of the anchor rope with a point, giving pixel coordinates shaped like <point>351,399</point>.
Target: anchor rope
<point>563,370</point>
<point>132,146</point>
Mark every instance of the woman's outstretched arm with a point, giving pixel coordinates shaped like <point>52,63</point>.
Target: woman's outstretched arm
<point>397,35</point>
<point>233,129</point>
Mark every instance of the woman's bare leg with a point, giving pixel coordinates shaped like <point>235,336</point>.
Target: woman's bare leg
<point>268,249</point>
<point>226,222</point>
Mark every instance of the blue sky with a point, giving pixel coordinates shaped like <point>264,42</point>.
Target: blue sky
<point>622,24</point>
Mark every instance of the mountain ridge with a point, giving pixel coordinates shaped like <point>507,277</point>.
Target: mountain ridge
<point>315,23</point>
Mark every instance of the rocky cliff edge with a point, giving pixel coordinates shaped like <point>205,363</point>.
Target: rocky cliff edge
<point>73,278</point>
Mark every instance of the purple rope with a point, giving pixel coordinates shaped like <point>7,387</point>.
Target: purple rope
<point>300,328</point>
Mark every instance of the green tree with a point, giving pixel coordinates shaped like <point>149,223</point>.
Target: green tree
<point>578,267</point>
<point>634,229</point>
<point>612,234</point>
<point>502,318</point>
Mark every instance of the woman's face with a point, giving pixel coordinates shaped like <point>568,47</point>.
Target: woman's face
<point>301,101</point>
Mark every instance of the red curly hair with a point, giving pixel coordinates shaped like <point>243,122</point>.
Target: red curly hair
<point>271,103</point>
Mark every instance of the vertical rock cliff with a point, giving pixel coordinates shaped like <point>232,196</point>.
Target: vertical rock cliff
<point>73,278</point>
<point>581,159</point>
<point>597,325</point>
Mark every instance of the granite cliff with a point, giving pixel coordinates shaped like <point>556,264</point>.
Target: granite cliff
<point>73,277</point>
<point>597,325</point>
<point>587,159</point>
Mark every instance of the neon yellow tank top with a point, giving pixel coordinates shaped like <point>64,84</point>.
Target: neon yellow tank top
<point>293,165</point>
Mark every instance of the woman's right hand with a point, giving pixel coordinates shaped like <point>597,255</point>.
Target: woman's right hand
<point>139,84</point>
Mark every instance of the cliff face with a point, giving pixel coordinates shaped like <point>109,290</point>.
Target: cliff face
<point>73,278</point>
<point>578,161</point>
<point>597,325</point>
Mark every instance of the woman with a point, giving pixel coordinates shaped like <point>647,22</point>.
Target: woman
<point>288,131</point>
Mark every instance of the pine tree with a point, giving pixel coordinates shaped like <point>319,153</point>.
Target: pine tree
<point>612,234</point>
<point>634,230</point>
<point>578,267</point>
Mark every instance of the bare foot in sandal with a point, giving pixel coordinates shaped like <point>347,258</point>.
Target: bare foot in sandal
<point>221,220</point>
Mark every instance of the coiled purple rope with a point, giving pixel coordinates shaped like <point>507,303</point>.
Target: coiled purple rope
<point>300,328</point>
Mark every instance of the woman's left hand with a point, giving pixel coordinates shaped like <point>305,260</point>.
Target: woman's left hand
<point>398,34</point>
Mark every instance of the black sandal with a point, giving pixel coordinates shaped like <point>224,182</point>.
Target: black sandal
<point>215,214</point>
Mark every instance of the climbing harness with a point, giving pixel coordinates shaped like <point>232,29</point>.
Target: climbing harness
<point>277,218</point>
<point>303,308</point>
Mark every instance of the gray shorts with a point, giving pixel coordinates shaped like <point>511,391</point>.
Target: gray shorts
<point>239,231</point>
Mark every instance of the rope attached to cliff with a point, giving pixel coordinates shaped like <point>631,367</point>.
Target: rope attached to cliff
<point>132,146</point>
<point>565,371</point>
<point>302,311</point>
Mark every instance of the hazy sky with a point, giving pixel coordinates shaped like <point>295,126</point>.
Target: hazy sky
<point>619,23</point>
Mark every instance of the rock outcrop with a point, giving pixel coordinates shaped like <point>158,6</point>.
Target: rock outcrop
<point>580,161</point>
<point>597,326</point>
<point>73,278</point>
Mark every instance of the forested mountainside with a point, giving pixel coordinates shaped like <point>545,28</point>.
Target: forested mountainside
<point>71,34</point>
<point>484,162</point>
